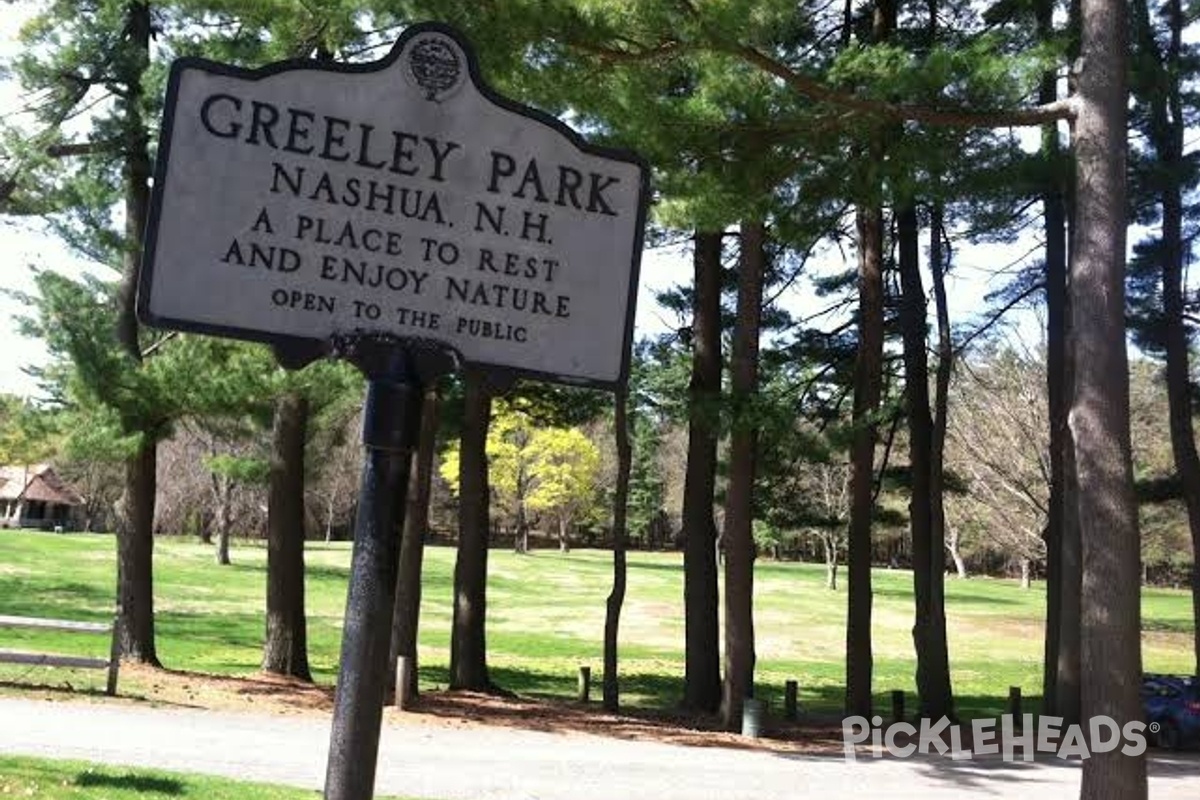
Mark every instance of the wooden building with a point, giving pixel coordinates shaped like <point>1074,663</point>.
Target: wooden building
<point>35,496</point>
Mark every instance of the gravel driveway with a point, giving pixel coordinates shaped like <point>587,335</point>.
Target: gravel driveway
<point>447,762</point>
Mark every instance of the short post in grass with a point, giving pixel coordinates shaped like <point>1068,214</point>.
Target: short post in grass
<point>790,706</point>
<point>897,705</point>
<point>1014,705</point>
<point>753,712</point>
<point>391,420</point>
<point>585,683</point>
<point>404,682</point>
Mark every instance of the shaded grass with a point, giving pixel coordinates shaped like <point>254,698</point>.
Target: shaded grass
<point>546,618</point>
<point>75,780</point>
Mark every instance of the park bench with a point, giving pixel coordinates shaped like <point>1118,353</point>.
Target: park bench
<point>112,663</point>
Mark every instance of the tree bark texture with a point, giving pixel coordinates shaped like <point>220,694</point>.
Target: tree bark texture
<point>285,650</point>
<point>468,641</point>
<point>406,612</point>
<point>739,499</point>
<point>1099,418</point>
<point>135,557</point>
<point>702,668</point>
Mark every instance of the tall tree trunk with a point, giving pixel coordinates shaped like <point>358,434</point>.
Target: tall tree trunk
<point>468,641</point>
<point>960,565</point>
<point>564,544</point>
<point>702,667</point>
<point>868,386</point>
<point>1055,232</point>
<point>1179,389</point>
<point>285,650</point>
<point>620,538</point>
<point>223,491</point>
<point>1166,133</point>
<point>135,545</point>
<point>135,554</point>
<point>933,669</point>
<point>829,545</point>
<point>406,613</point>
<point>739,499</point>
<point>521,528</point>
<point>1111,652</point>
<point>937,450</point>
<point>1068,669</point>
<point>329,507</point>
<point>868,380</point>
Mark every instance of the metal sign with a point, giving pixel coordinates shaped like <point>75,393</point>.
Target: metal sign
<point>403,197</point>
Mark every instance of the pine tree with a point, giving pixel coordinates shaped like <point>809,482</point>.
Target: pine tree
<point>75,52</point>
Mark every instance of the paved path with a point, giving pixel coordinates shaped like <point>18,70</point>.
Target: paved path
<point>505,764</point>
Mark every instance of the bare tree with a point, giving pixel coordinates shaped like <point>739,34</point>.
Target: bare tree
<point>829,485</point>
<point>999,442</point>
<point>334,488</point>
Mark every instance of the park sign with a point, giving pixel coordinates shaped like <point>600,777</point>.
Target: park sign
<point>307,200</point>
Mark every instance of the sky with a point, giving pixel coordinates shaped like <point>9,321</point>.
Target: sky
<point>25,244</point>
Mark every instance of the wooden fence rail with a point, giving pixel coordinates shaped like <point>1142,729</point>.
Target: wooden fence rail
<point>112,663</point>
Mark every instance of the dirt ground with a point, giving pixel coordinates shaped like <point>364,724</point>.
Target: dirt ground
<point>285,697</point>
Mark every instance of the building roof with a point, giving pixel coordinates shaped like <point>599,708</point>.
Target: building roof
<point>37,482</point>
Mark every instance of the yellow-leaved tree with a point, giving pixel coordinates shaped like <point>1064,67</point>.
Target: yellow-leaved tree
<point>543,470</point>
<point>567,466</point>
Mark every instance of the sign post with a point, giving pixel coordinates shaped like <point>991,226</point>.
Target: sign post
<point>391,419</point>
<point>403,216</point>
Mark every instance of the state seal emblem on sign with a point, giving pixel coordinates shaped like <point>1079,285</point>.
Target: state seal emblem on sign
<point>435,65</point>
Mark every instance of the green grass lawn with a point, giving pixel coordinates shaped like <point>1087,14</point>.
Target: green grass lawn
<point>76,780</point>
<point>546,617</point>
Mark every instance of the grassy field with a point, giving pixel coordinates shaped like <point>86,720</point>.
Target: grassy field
<point>546,617</point>
<point>76,780</point>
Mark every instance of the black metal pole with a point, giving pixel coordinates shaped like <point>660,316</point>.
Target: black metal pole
<point>391,418</point>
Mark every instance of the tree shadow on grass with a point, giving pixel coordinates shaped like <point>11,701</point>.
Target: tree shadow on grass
<point>77,601</point>
<point>654,691</point>
<point>674,566</point>
<point>20,686</point>
<point>659,693</point>
<point>327,572</point>
<point>1159,625</point>
<point>238,634</point>
<point>130,782</point>
<point>535,701</point>
<point>952,599</point>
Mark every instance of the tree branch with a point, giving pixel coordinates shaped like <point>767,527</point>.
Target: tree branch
<point>67,150</point>
<point>612,55</point>
<point>816,90</point>
<point>998,315</point>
